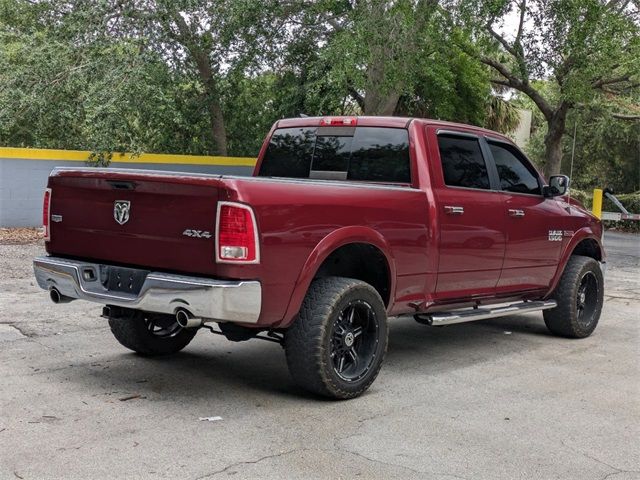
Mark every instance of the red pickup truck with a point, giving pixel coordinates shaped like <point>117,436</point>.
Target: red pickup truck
<point>347,221</point>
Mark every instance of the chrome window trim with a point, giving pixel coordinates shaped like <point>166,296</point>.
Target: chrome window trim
<point>486,190</point>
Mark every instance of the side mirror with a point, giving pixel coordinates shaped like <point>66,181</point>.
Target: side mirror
<point>558,186</point>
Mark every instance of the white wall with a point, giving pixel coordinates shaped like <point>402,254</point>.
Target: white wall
<point>22,182</point>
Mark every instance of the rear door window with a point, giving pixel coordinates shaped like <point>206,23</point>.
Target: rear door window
<point>380,155</point>
<point>373,154</point>
<point>289,153</point>
<point>462,162</point>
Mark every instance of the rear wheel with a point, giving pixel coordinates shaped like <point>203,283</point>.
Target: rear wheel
<point>580,295</point>
<point>150,333</point>
<point>337,344</point>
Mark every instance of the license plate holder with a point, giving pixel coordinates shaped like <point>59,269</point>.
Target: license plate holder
<point>125,280</point>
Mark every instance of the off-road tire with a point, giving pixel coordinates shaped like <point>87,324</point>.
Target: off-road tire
<point>565,320</point>
<point>131,329</point>
<point>308,341</point>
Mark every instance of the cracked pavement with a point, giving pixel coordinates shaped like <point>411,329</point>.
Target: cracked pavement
<point>457,402</point>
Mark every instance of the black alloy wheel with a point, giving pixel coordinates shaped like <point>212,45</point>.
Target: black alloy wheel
<point>354,341</point>
<point>587,299</point>
<point>337,344</point>
<point>580,297</point>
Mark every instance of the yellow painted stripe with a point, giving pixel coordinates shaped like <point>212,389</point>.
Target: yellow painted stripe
<point>42,154</point>
<point>81,156</point>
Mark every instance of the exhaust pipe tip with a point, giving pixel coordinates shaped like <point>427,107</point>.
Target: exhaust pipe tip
<point>186,319</point>
<point>56,297</point>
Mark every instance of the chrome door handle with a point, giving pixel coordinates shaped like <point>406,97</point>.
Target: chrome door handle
<point>451,210</point>
<point>516,213</point>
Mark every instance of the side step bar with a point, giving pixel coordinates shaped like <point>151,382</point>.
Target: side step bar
<point>483,313</point>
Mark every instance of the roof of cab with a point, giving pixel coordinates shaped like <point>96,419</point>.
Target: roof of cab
<point>392,122</point>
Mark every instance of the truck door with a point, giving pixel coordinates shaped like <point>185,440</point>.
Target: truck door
<point>470,214</point>
<point>534,224</point>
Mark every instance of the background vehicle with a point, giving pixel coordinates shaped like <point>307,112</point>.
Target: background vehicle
<point>346,222</point>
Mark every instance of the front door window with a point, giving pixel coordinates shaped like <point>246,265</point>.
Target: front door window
<point>515,175</point>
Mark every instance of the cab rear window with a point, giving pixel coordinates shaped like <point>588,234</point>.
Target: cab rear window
<point>370,154</point>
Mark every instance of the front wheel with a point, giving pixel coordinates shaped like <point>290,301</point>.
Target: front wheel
<point>336,345</point>
<point>580,295</point>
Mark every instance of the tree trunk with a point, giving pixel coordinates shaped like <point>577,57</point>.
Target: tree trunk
<point>552,152</point>
<point>218,131</point>
<point>200,56</point>
<point>553,139</point>
<point>216,117</point>
<point>378,101</point>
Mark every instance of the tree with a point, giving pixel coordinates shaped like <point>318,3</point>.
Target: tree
<point>391,38</point>
<point>607,148</point>
<point>206,38</point>
<point>371,49</point>
<point>64,86</point>
<point>384,57</point>
<point>502,115</point>
<point>587,48</point>
<point>141,74</point>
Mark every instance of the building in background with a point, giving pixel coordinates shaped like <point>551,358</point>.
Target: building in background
<point>522,133</point>
<point>24,173</point>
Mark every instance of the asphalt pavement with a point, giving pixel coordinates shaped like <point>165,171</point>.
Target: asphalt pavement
<point>497,399</point>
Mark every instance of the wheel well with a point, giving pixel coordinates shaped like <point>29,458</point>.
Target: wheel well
<point>588,248</point>
<point>361,261</point>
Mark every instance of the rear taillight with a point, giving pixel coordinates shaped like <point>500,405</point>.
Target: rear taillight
<point>46,214</point>
<point>236,234</point>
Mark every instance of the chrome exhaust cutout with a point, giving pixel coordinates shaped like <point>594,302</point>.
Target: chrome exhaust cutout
<point>57,297</point>
<point>186,319</point>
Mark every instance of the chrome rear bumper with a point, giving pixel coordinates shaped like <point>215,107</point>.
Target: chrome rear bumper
<point>218,300</point>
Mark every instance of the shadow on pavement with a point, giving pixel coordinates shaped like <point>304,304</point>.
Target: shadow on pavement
<point>220,367</point>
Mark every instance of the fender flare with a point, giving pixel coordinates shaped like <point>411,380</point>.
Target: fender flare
<point>336,239</point>
<point>585,233</point>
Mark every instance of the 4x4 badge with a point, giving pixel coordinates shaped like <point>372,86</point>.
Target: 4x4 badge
<point>121,209</point>
<point>196,233</point>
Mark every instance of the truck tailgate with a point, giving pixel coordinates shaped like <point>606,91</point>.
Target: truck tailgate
<point>148,219</point>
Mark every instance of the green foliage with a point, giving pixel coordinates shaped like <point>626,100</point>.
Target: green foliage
<point>585,50</point>
<point>252,98</point>
<point>211,76</point>
<point>102,95</point>
<point>584,197</point>
<point>607,149</point>
<point>502,115</point>
<point>451,87</point>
